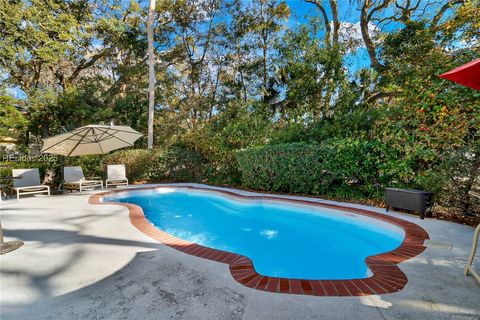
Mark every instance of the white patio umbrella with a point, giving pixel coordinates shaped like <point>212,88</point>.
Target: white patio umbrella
<point>91,139</point>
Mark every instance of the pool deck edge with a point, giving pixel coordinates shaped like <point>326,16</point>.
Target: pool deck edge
<point>386,275</point>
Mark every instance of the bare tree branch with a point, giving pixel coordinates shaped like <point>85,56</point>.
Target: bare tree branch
<point>436,19</point>
<point>364,22</point>
<point>383,5</point>
<point>328,29</point>
<point>84,64</point>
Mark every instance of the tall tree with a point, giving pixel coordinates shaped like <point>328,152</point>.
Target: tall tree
<point>312,73</point>
<point>268,16</point>
<point>239,42</point>
<point>151,72</point>
<point>199,61</point>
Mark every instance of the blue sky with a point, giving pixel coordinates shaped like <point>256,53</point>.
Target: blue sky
<point>300,8</point>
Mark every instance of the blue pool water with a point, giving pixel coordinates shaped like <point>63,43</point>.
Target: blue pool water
<point>282,239</point>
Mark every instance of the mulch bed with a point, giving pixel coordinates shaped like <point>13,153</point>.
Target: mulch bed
<point>443,214</point>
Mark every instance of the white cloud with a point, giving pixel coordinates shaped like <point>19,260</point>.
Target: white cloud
<point>351,34</point>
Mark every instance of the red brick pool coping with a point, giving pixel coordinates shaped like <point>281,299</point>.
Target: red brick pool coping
<point>386,275</point>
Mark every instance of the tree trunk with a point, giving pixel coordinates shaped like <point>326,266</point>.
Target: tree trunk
<point>336,22</point>
<point>326,21</point>
<point>151,73</point>
<point>364,21</point>
<point>265,76</point>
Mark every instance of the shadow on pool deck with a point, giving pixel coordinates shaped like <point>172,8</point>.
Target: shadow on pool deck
<point>64,237</point>
<point>148,287</point>
<point>152,287</point>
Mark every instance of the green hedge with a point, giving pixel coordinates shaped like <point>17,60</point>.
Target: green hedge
<point>137,162</point>
<point>175,164</point>
<point>294,167</point>
<point>352,168</point>
<point>343,168</point>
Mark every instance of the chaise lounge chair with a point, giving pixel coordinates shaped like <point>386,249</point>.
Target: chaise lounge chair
<point>27,181</point>
<point>116,176</point>
<point>75,180</point>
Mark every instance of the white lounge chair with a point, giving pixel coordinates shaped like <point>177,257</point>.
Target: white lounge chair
<point>116,176</point>
<point>75,180</point>
<point>27,181</point>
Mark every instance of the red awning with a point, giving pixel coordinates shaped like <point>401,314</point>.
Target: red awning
<point>467,75</point>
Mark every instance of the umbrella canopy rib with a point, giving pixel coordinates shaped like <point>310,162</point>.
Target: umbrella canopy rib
<point>73,149</point>
<point>68,137</point>
<point>111,136</point>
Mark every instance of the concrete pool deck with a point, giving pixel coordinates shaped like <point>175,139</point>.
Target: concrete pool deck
<point>82,261</point>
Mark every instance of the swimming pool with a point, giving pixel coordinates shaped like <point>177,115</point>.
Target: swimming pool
<point>278,238</point>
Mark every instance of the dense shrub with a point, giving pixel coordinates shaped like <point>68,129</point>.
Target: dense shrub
<point>175,164</point>
<point>357,168</point>
<point>456,182</point>
<point>295,167</point>
<point>354,164</point>
<point>342,168</point>
<point>216,142</point>
<point>137,162</point>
